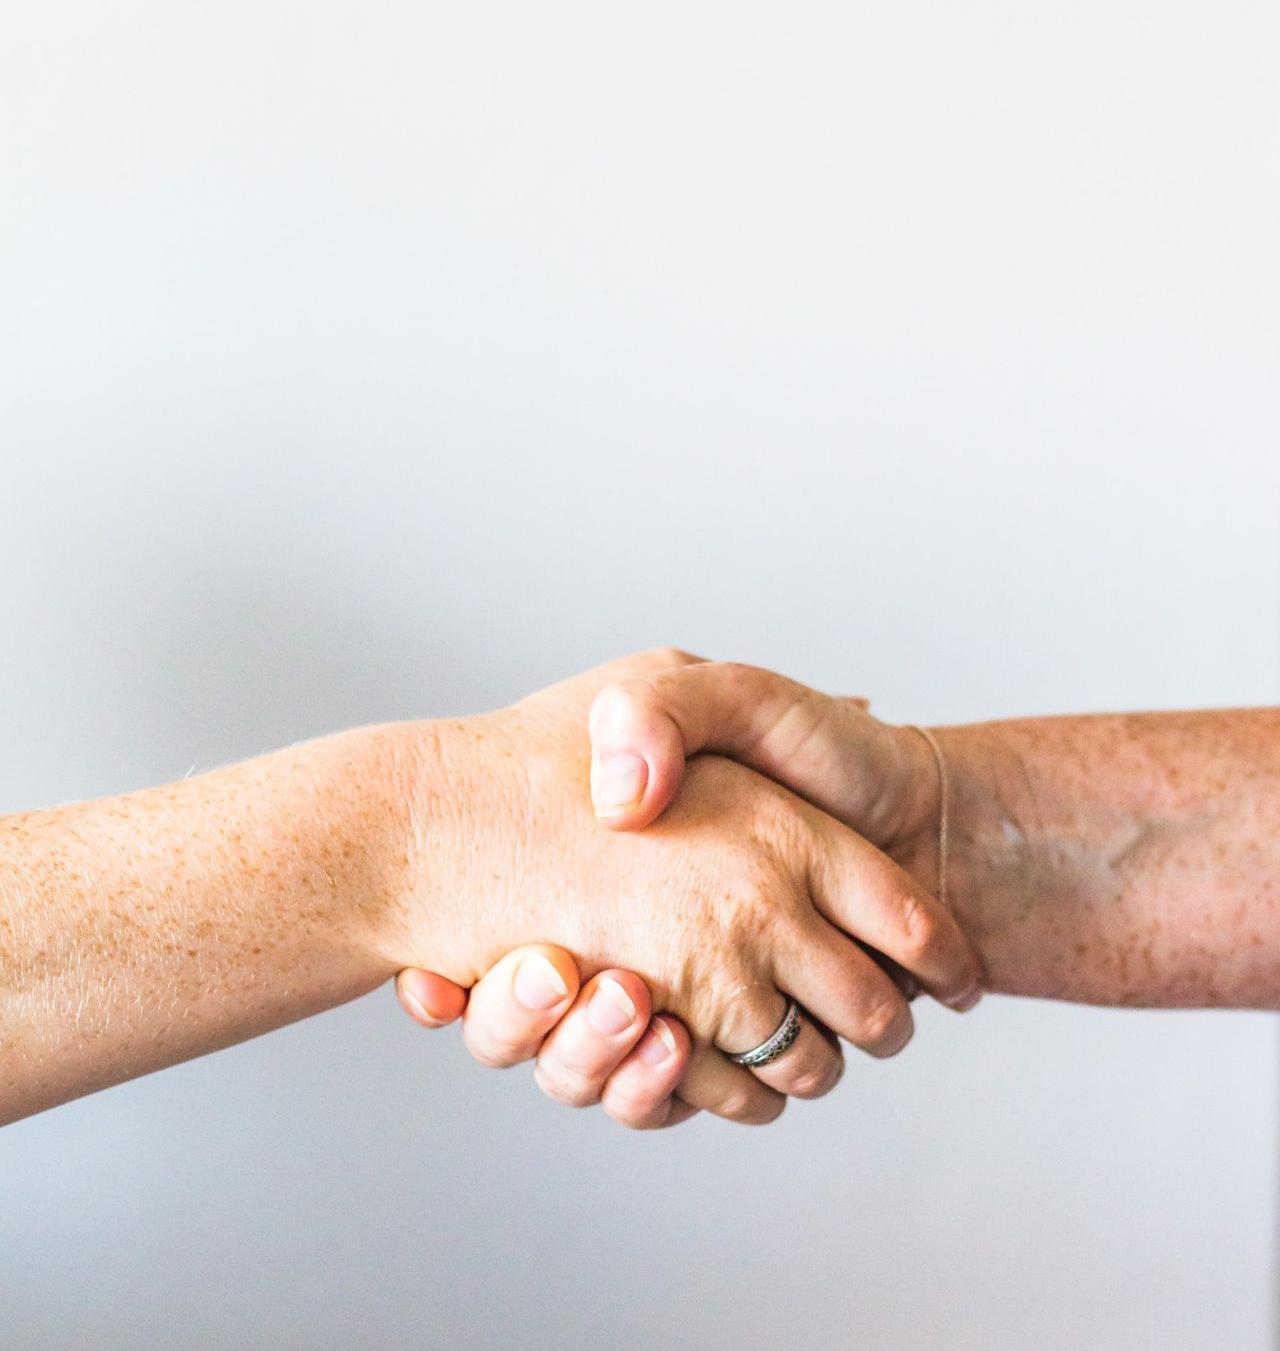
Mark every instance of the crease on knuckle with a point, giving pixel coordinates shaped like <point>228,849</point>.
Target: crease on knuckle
<point>630,1106</point>
<point>882,1029</point>
<point>815,1082</point>
<point>491,1056</point>
<point>749,1107</point>
<point>736,1105</point>
<point>494,1050</point>
<point>919,926</point>
<point>795,724</point>
<point>567,1089</point>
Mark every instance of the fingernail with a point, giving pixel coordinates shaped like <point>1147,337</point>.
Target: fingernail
<point>610,1010</point>
<point>657,1043</point>
<point>538,985</point>
<point>417,1007</point>
<point>618,782</point>
<point>971,997</point>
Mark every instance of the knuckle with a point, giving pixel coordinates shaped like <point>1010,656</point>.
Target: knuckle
<point>565,1088</point>
<point>736,1105</point>
<point>749,1107</point>
<point>631,1109</point>
<point>737,674</point>
<point>817,1081</point>
<point>490,1055</point>
<point>778,828</point>
<point>658,658</point>
<point>738,998</point>
<point>575,1064</point>
<point>879,1023</point>
<point>765,867</point>
<point>611,700</point>
<point>492,1047</point>
<point>921,928</point>
<point>761,918</point>
<point>885,1028</point>
<point>636,1120</point>
<point>623,1119</point>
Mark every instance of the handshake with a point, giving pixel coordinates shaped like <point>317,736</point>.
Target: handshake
<point>677,884</point>
<point>670,937</point>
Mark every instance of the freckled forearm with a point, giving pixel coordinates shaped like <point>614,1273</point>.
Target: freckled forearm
<point>142,930</point>
<point>1127,859</point>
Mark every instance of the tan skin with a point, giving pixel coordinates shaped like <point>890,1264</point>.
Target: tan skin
<point>1118,859</point>
<point>141,930</point>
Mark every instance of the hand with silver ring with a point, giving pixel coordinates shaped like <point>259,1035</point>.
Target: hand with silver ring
<point>777,1045</point>
<point>846,991</point>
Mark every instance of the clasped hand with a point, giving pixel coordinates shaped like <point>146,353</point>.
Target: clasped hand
<point>657,915</point>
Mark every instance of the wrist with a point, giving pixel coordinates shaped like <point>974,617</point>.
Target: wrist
<point>965,776</point>
<point>990,863</point>
<point>914,840</point>
<point>458,799</point>
<point>363,778</point>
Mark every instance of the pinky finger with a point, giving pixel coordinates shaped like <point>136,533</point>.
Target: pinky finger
<point>639,1093</point>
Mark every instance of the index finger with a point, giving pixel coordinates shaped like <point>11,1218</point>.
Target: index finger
<point>864,892</point>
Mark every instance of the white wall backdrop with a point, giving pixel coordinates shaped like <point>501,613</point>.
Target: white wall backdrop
<point>370,360</point>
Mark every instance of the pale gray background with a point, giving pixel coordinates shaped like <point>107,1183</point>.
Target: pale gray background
<point>369,360</point>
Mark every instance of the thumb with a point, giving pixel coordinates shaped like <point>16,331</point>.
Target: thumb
<point>830,751</point>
